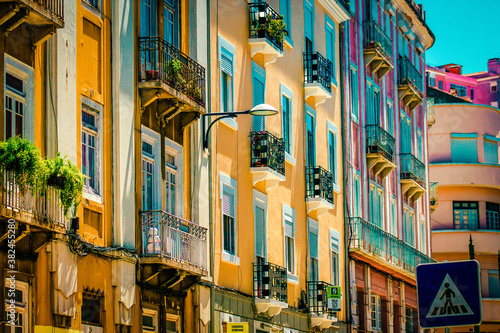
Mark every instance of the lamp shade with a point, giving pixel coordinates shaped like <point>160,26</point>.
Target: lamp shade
<point>263,110</point>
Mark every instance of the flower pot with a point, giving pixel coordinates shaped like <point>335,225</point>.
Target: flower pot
<point>152,75</point>
<point>56,181</point>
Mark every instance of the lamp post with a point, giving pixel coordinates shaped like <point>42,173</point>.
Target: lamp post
<point>258,110</point>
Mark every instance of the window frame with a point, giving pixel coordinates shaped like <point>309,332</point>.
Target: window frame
<point>229,185</point>
<point>331,129</point>
<point>469,210</point>
<point>23,307</point>
<point>313,229</point>
<point>153,138</point>
<point>288,215</point>
<point>260,201</point>
<point>228,50</point>
<point>489,139</point>
<point>175,149</point>
<point>334,252</point>
<point>288,94</point>
<point>310,112</point>
<point>354,93</point>
<point>330,28</point>
<point>492,214</point>
<point>286,12</point>
<point>91,107</point>
<point>376,312</point>
<point>154,314</point>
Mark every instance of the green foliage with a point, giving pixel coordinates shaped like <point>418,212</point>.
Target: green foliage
<point>173,67</point>
<point>71,193</point>
<point>276,28</point>
<point>22,157</point>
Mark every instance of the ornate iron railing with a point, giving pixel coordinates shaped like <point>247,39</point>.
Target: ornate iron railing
<point>56,7</point>
<point>408,74</point>
<point>160,60</point>
<point>318,301</point>
<point>433,193</point>
<point>169,236</point>
<point>379,141</point>
<point>367,236</point>
<point>41,204</point>
<point>319,183</point>
<point>318,69</point>
<point>261,16</point>
<point>374,36</point>
<point>412,168</point>
<point>268,151</point>
<point>269,282</point>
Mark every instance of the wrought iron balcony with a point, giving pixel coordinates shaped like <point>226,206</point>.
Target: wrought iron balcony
<point>412,176</point>
<point>377,48</point>
<point>322,315</point>
<point>270,288</point>
<point>268,151</point>
<point>173,241</point>
<point>32,206</point>
<point>410,84</point>
<point>433,195</point>
<point>319,183</point>
<point>165,73</point>
<point>263,19</point>
<point>317,77</point>
<point>380,148</point>
<point>367,237</point>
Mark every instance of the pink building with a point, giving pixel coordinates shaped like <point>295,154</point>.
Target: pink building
<point>463,155</point>
<point>479,88</point>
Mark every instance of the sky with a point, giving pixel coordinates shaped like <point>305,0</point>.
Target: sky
<point>467,32</point>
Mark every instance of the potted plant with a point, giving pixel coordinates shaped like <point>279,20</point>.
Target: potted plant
<point>63,174</point>
<point>21,157</point>
<point>276,28</point>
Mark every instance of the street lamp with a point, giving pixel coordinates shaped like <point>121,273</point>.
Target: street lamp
<point>258,110</point>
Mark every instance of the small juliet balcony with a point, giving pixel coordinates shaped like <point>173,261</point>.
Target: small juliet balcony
<point>267,159</point>
<point>369,242</point>
<point>380,147</point>
<point>172,248</point>
<point>322,314</point>
<point>171,79</point>
<point>270,288</point>
<point>40,210</point>
<point>267,32</point>
<point>319,190</point>
<point>377,49</point>
<point>318,77</point>
<point>433,195</point>
<point>431,117</point>
<point>43,17</point>
<point>412,176</point>
<point>410,84</point>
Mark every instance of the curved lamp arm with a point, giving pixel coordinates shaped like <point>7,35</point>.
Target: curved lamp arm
<point>222,115</point>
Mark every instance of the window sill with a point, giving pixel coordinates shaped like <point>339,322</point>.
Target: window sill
<point>292,279</point>
<point>92,196</point>
<point>290,159</point>
<point>231,123</point>
<point>230,258</point>
<point>336,188</point>
<point>288,42</point>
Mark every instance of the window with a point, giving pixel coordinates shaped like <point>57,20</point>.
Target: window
<point>357,200</point>
<point>285,11</point>
<point>94,3</point>
<point>18,293</point>
<point>226,59</point>
<point>410,324</point>
<point>390,119</point>
<point>423,235</point>
<point>472,94</point>
<point>492,211</point>
<point>334,249</point>
<point>173,323</point>
<point>406,134</point>
<point>432,82</point>
<point>309,25</point>
<point>330,44</point>
<point>493,284</point>
<point>173,178</point>
<point>311,136</point>
<point>91,148</point>
<point>19,94</point>
<point>286,118</point>
<point>260,218</point>
<point>148,26</point>
<point>394,217</point>
<point>228,202</point>
<point>490,151</point>
<point>440,85</point>
<point>151,169</point>
<point>313,250</point>
<point>465,215</point>
<point>493,86</point>
<point>332,152</point>
<point>463,148</point>
<point>376,206</point>
<point>354,95</point>
<point>170,22</point>
<point>259,91</point>
<point>376,312</point>
<point>461,90</point>
<point>149,320</point>
<point>147,177</point>
<point>420,146</point>
<point>289,234</point>
<point>92,308</point>
<point>409,227</point>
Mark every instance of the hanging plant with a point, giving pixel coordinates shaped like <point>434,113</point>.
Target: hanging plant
<point>66,176</point>
<point>21,157</point>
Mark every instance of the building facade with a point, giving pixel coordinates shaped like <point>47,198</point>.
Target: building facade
<point>387,215</point>
<point>277,207</point>
<point>464,165</point>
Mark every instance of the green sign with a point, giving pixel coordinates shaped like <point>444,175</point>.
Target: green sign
<point>333,292</point>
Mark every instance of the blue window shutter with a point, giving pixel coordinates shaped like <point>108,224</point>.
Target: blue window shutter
<point>285,11</point>
<point>308,20</point>
<point>490,151</point>
<point>226,62</point>
<point>330,42</point>
<point>313,245</point>
<point>464,150</point>
<point>260,232</point>
<point>258,83</point>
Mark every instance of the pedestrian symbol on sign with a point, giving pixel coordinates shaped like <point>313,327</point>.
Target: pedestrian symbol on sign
<point>449,301</point>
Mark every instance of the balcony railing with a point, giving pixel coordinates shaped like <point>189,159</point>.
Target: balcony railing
<point>261,16</point>
<point>369,237</point>
<point>318,301</point>
<point>318,69</point>
<point>319,183</point>
<point>268,151</point>
<point>55,7</point>
<point>160,60</point>
<point>166,235</point>
<point>380,142</point>
<point>408,74</point>
<point>269,282</point>
<point>44,206</point>
<point>431,118</point>
<point>374,36</point>
<point>433,194</point>
<point>412,168</point>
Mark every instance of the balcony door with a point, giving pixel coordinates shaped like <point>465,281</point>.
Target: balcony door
<point>311,142</point>
<point>148,25</point>
<point>259,89</point>
<point>171,22</point>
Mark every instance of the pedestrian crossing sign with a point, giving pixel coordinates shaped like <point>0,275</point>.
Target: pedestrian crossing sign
<point>449,294</point>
